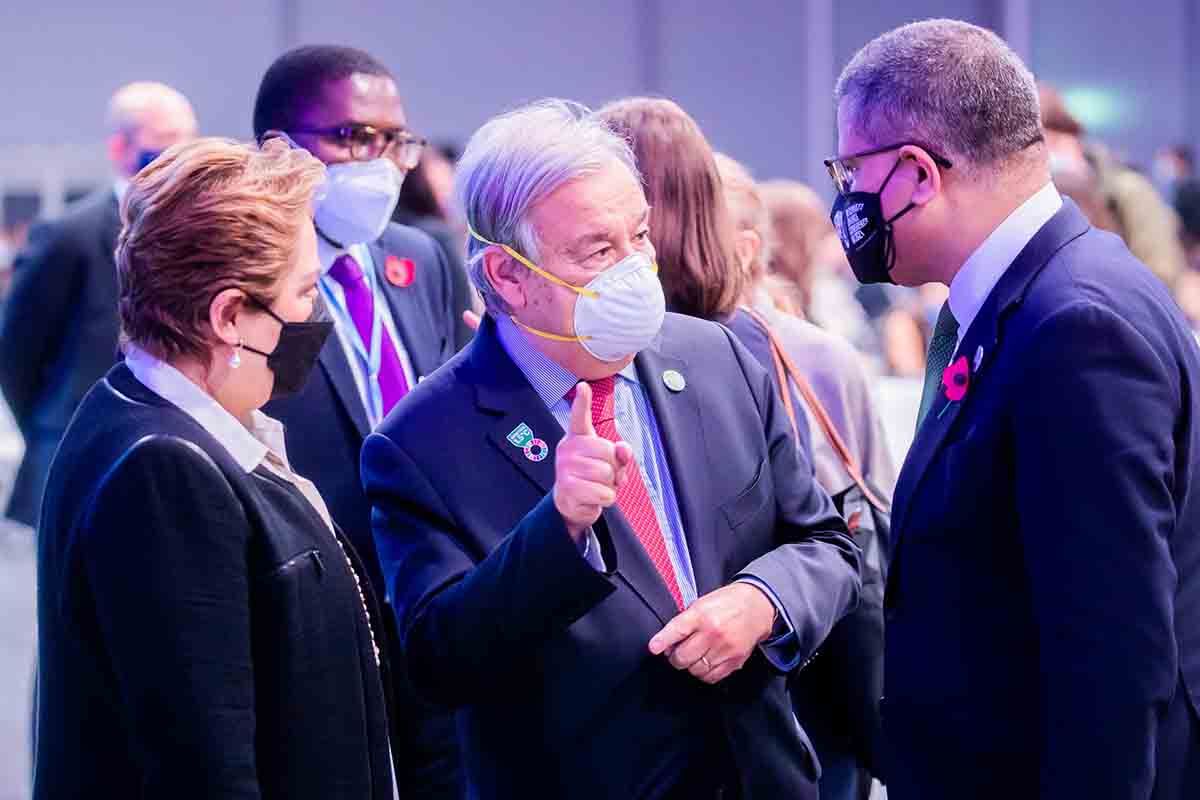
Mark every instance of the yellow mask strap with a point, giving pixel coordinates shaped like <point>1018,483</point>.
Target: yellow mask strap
<point>583,290</point>
<point>556,337</point>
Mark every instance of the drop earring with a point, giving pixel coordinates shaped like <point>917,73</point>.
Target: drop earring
<point>235,360</point>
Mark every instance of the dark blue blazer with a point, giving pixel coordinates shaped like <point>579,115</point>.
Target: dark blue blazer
<point>1043,605</point>
<point>325,425</point>
<point>200,632</point>
<point>58,333</point>
<point>545,657</point>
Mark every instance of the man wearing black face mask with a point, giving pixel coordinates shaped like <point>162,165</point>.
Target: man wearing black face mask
<point>60,328</point>
<point>1043,603</point>
<point>395,306</point>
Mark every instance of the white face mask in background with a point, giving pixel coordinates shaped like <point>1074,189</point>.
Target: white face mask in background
<point>357,200</point>
<point>619,312</point>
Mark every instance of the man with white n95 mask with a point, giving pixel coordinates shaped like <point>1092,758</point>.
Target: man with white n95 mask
<point>600,540</point>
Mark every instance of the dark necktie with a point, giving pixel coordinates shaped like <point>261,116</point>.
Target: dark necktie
<point>632,498</point>
<point>360,302</point>
<point>941,349</point>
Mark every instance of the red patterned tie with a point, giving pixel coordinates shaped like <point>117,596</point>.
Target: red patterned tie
<point>632,498</point>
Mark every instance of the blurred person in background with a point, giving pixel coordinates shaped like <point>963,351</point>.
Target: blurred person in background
<point>390,292</point>
<point>59,331</point>
<point>832,365</point>
<point>1173,166</point>
<point>1147,223</point>
<point>204,628</point>
<point>846,731</point>
<point>803,252</point>
<point>425,200</point>
<point>692,230</point>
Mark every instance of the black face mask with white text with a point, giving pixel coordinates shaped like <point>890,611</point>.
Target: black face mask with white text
<point>295,355</point>
<point>866,235</point>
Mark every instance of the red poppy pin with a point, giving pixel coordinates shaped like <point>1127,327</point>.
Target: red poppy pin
<point>956,379</point>
<point>399,271</point>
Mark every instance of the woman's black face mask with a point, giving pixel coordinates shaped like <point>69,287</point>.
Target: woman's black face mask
<point>295,355</point>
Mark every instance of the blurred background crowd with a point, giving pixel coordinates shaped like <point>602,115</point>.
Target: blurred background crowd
<point>1120,100</point>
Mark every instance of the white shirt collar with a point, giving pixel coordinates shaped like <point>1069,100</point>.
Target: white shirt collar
<point>982,271</point>
<point>328,253</point>
<point>247,448</point>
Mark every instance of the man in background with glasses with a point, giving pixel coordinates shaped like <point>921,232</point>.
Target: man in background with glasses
<point>395,303</point>
<point>1043,602</point>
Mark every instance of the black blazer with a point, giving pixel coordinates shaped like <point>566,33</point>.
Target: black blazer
<point>546,657</point>
<point>200,633</point>
<point>325,425</point>
<point>59,333</point>
<point>1043,604</point>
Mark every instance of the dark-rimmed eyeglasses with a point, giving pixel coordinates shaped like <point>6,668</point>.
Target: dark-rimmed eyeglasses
<point>842,170</point>
<point>366,142</point>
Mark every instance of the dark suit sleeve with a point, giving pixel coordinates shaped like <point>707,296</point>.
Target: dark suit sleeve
<point>164,556</point>
<point>814,571</point>
<point>1095,466</point>
<point>469,628</point>
<point>46,280</point>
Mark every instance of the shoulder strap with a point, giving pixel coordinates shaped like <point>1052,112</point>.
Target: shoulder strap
<point>785,369</point>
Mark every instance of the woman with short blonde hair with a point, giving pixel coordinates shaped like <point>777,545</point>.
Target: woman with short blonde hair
<point>204,630</point>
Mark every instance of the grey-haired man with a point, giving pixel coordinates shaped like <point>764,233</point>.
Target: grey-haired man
<point>1043,604</point>
<point>601,541</point>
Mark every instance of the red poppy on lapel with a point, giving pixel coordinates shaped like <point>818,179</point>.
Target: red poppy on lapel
<point>956,379</point>
<point>399,271</point>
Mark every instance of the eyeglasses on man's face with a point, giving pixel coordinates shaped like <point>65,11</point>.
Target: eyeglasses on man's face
<point>843,170</point>
<point>367,142</point>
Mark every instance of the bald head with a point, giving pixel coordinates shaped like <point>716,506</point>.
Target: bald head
<point>145,118</point>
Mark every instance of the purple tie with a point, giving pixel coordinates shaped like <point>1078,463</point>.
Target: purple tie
<point>360,302</point>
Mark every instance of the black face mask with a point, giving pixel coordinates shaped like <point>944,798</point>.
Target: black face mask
<point>294,356</point>
<point>866,236</point>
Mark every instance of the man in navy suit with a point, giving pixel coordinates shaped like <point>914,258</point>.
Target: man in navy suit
<point>603,546</point>
<point>59,330</point>
<point>1043,604</point>
<point>393,299</point>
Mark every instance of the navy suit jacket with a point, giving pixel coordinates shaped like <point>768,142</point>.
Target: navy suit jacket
<point>547,658</point>
<point>325,425</point>
<point>1043,605</point>
<point>59,333</point>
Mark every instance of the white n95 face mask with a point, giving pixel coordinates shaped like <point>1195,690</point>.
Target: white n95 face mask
<point>619,312</point>
<point>357,200</point>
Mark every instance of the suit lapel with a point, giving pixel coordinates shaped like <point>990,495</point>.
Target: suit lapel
<point>981,343</point>
<point>337,370</point>
<point>502,392</point>
<point>402,307</point>
<point>678,415</point>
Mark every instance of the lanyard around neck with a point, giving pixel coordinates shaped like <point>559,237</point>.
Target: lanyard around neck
<point>370,355</point>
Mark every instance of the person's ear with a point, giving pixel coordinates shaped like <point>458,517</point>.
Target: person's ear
<point>506,277</point>
<point>928,174</point>
<point>223,313</point>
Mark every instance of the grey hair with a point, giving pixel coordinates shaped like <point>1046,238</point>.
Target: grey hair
<point>948,85</point>
<point>517,159</point>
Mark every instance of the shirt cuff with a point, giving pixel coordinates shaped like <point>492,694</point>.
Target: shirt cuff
<point>782,649</point>
<point>591,552</point>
